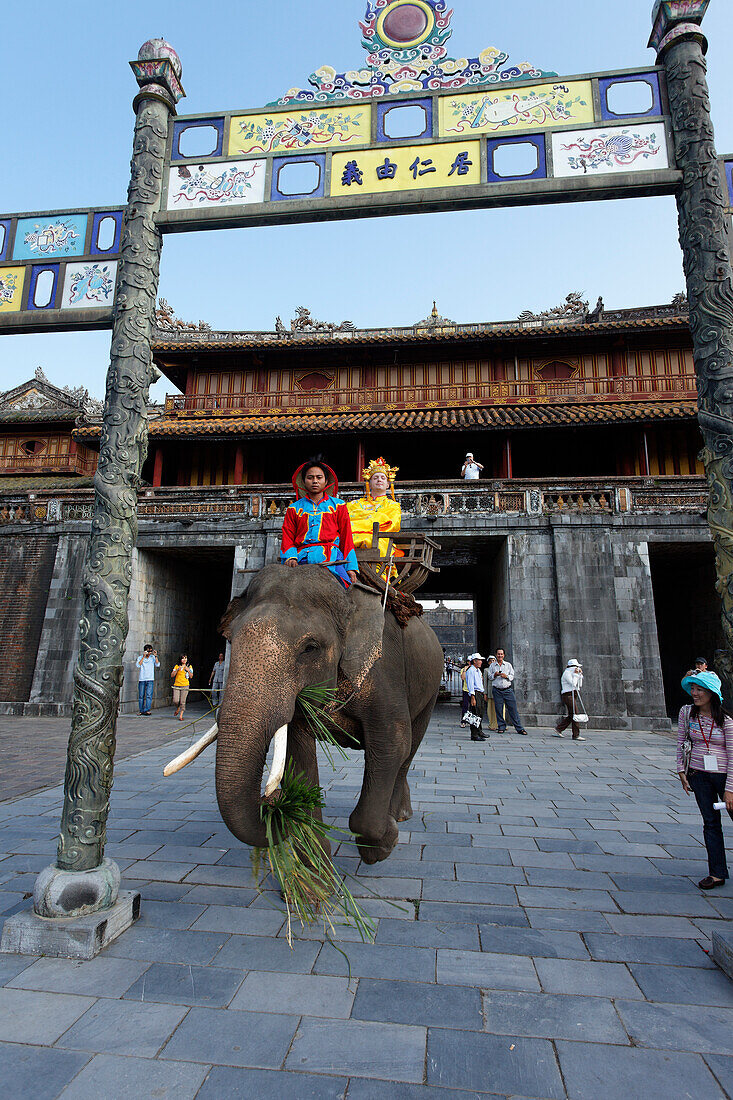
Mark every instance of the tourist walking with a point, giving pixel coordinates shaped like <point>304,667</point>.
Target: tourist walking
<point>501,677</point>
<point>181,676</point>
<point>216,681</point>
<point>705,765</point>
<point>471,469</point>
<point>475,685</point>
<point>147,663</point>
<point>570,685</point>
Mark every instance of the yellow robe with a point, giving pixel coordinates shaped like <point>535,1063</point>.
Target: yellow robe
<point>365,513</point>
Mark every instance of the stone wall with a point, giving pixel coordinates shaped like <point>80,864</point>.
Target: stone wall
<point>53,682</point>
<point>26,566</point>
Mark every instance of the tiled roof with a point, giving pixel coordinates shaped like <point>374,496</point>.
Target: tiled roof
<point>38,416</point>
<point>28,484</point>
<point>218,341</point>
<point>493,417</point>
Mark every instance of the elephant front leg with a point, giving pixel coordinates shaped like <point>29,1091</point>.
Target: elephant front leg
<point>372,822</point>
<point>400,805</point>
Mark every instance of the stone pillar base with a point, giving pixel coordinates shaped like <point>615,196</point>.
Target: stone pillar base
<point>723,950</point>
<point>70,937</point>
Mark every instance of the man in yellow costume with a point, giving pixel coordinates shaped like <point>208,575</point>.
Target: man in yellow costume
<point>376,506</point>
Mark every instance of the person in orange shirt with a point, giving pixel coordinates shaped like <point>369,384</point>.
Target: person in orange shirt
<point>181,677</point>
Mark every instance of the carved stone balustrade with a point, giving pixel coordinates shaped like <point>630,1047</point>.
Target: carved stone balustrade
<point>264,505</point>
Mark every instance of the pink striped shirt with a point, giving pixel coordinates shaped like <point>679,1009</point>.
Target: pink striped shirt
<point>720,742</point>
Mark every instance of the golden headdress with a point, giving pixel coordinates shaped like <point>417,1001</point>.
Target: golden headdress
<point>380,466</point>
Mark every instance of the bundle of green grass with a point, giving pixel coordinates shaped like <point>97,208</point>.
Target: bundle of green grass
<point>313,890</point>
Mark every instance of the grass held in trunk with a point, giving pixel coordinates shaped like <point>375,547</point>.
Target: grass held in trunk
<point>312,888</point>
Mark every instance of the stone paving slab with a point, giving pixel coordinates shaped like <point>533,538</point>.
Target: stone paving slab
<point>539,935</point>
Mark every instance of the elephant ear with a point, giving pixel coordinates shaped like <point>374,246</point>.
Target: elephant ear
<point>363,639</point>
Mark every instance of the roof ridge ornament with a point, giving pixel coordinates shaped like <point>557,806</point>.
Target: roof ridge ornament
<point>304,324</point>
<point>406,52</point>
<point>574,308</point>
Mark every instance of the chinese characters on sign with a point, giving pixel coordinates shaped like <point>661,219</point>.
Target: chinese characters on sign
<point>406,169</point>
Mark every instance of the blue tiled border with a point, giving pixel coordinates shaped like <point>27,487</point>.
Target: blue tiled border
<point>180,127</point>
<point>7,224</point>
<point>115,246</point>
<point>652,79</point>
<point>318,159</point>
<point>36,271</point>
<point>384,108</point>
<point>538,140</point>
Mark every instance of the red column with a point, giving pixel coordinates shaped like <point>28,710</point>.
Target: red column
<point>360,460</point>
<point>239,465</point>
<point>158,467</point>
<point>508,457</point>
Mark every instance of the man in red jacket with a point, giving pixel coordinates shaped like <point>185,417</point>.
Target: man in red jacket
<point>317,528</point>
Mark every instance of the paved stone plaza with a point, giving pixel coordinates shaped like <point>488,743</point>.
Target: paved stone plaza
<point>549,941</point>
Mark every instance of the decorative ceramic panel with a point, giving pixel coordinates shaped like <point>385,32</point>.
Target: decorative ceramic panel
<point>618,149</point>
<point>388,115</point>
<point>234,183</point>
<point>44,286</point>
<point>89,285</point>
<point>408,168</point>
<point>531,108</point>
<point>101,223</point>
<point>282,132</point>
<point>11,288</point>
<point>59,235</point>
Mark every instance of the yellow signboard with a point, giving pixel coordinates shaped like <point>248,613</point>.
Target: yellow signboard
<point>11,288</point>
<point>410,168</point>
<point>507,111</point>
<point>301,130</point>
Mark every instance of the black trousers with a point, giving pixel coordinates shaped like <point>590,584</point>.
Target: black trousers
<point>709,787</point>
<point>480,710</point>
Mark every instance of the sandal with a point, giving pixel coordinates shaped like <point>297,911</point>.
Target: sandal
<point>709,883</point>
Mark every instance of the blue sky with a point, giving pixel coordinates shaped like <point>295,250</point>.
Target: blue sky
<point>67,133</point>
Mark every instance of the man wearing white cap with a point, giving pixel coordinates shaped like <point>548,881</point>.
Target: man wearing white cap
<point>471,468</point>
<point>475,685</point>
<point>572,682</point>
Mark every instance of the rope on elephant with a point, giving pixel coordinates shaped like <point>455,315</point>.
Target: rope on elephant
<point>403,605</point>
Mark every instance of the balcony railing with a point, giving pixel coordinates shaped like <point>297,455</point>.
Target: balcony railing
<point>422,502</point>
<point>657,387</point>
<point>48,463</point>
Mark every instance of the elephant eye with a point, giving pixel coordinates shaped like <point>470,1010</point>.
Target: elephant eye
<point>310,647</point>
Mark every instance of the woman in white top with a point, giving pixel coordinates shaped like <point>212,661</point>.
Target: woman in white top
<point>572,682</point>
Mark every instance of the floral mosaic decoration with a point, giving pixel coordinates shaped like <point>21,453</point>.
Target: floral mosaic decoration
<point>411,63</point>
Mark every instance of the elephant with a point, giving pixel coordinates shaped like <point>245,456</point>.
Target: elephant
<point>300,627</point>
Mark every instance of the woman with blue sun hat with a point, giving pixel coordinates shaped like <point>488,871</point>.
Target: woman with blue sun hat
<point>705,764</point>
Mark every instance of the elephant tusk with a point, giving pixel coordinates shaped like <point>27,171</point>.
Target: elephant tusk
<point>278,761</point>
<point>192,752</point>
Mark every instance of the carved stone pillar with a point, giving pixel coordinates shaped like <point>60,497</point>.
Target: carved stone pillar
<point>681,47</point>
<point>69,889</point>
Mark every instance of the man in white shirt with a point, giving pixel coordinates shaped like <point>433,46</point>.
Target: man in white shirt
<point>147,663</point>
<point>475,686</point>
<point>501,678</point>
<point>471,469</point>
<point>216,681</point>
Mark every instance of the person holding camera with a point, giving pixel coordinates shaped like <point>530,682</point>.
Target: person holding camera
<point>147,663</point>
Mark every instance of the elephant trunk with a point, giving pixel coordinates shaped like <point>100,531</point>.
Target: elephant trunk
<point>248,721</point>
